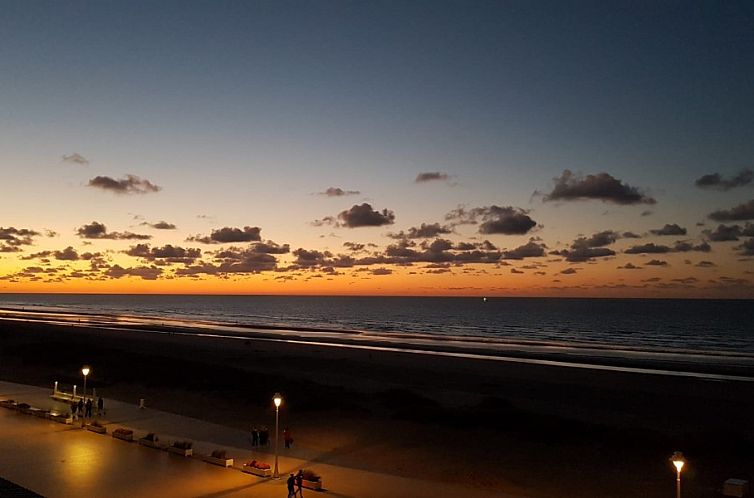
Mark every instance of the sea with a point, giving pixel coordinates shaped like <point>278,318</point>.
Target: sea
<point>710,326</point>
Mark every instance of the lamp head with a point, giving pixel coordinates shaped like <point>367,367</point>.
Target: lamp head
<point>277,399</point>
<point>678,460</point>
<point>85,370</point>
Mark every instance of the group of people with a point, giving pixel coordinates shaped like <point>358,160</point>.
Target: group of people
<point>296,485</point>
<point>84,409</point>
<point>260,436</point>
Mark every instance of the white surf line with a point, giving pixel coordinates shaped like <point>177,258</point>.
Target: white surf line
<point>451,354</point>
<point>477,356</point>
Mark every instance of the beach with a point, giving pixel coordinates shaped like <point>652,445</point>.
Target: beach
<point>531,429</point>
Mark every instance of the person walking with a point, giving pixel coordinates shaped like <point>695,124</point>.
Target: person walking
<point>254,436</point>
<point>89,408</point>
<point>74,410</point>
<point>291,486</point>
<point>300,483</point>
<point>81,407</point>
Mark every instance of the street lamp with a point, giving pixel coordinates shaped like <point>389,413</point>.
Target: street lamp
<point>85,370</point>
<point>678,462</point>
<point>278,400</point>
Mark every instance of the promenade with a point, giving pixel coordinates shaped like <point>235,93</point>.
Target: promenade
<point>57,460</point>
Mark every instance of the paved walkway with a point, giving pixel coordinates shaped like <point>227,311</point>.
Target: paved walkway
<point>57,460</point>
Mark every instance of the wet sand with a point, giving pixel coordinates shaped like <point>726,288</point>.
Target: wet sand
<point>532,429</point>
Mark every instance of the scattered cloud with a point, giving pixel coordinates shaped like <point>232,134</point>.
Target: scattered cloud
<point>430,176</point>
<point>724,233</point>
<point>131,184</point>
<point>160,225</point>
<point>747,248</point>
<point>494,219</point>
<point>588,248</point>
<point>144,272</point>
<point>359,216</point>
<point>673,229</point>
<point>741,212</point>
<point>602,186</point>
<point>717,182</point>
<point>67,254</point>
<point>11,238</point>
<point>629,266</point>
<point>686,246</point>
<point>650,248</point>
<point>425,231</point>
<point>166,254</point>
<point>338,192</point>
<point>532,249</point>
<point>227,235</point>
<point>656,262</point>
<point>75,158</point>
<point>96,230</point>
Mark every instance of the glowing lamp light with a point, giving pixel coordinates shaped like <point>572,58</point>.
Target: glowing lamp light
<point>278,400</point>
<point>85,371</point>
<point>678,463</point>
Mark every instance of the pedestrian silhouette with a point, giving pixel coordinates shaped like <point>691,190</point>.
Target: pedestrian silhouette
<point>291,483</point>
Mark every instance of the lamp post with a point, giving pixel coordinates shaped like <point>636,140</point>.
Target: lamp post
<point>278,400</point>
<point>678,462</point>
<point>85,370</point>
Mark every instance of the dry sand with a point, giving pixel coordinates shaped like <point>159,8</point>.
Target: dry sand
<point>526,429</point>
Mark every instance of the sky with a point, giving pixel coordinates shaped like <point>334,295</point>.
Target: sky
<point>600,149</point>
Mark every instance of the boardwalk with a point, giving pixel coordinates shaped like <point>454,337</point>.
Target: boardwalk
<point>57,460</point>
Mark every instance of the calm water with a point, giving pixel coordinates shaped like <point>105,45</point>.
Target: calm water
<point>705,325</point>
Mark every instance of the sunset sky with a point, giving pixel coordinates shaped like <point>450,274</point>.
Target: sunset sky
<point>407,148</point>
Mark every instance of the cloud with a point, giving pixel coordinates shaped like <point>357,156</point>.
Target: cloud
<point>531,249</point>
<point>717,182</point>
<point>96,230</point>
<point>131,184</point>
<point>144,272</point>
<point>650,248</point>
<point>585,249</point>
<point>723,233</point>
<point>354,246</point>
<point>494,219</point>
<point>743,211</point>
<point>568,271</point>
<point>602,186</point>
<point>430,177</point>
<point>747,248</point>
<point>382,271</point>
<point>425,231</point>
<point>629,266</point>
<point>160,225</point>
<point>229,234</point>
<point>12,238</point>
<point>338,192</point>
<point>705,264</point>
<point>673,229</point>
<point>685,246</point>
<point>75,158</point>
<point>167,253</point>
<point>67,254</point>
<point>364,216</point>
<point>656,262</point>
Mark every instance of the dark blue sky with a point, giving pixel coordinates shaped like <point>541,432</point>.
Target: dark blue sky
<point>247,104</point>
